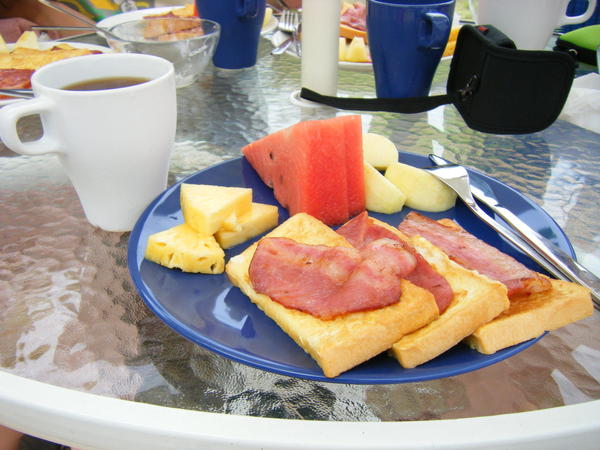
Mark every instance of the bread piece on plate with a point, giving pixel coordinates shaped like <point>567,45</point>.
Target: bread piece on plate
<point>477,300</point>
<point>339,344</point>
<point>529,316</point>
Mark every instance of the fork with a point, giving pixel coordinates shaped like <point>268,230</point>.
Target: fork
<point>555,261</point>
<point>289,23</point>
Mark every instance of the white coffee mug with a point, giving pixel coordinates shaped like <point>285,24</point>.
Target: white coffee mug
<point>529,23</point>
<point>114,144</point>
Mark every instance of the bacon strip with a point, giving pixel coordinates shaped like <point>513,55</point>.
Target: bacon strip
<point>15,79</point>
<point>328,282</point>
<point>355,16</point>
<point>361,230</point>
<point>474,254</point>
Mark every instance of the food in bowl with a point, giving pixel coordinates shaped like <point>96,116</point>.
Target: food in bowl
<point>186,11</point>
<point>189,43</point>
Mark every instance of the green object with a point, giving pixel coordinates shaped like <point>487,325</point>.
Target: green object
<point>582,43</point>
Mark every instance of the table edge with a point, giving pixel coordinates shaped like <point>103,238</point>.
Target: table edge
<point>87,420</point>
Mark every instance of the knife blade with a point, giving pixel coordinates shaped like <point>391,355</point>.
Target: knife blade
<point>566,266</point>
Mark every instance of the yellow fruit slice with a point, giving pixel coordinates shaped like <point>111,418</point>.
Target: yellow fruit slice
<point>28,40</point>
<point>381,195</point>
<point>357,51</point>
<point>268,17</point>
<point>183,248</point>
<point>342,49</point>
<point>260,219</point>
<point>379,151</point>
<point>423,191</point>
<point>206,207</point>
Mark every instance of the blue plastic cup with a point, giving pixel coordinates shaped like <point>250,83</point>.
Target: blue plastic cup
<point>241,22</point>
<point>407,39</point>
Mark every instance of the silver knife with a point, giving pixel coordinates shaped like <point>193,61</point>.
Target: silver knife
<point>565,266</point>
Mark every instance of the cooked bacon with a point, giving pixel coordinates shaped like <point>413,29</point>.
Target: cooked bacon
<point>355,16</point>
<point>474,254</point>
<point>361,230</point>
<point>15,79</point>
<point>328,282</point>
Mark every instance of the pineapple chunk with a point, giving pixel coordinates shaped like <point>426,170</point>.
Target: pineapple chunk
<point>28,40</point>
<point>357,51</point>
<point>260,219</point>
<point>206,207</point>
<point>268,17</point>
<point>342,49</point>
<point>184,248</point>
<point>423,191</point>
<point>379,151</point>
<point>3,46</point>
<point>231,223</point>
<point>381,195</point>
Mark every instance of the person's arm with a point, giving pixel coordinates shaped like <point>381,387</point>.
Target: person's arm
<point>12,28</point>
<point>35,12</point>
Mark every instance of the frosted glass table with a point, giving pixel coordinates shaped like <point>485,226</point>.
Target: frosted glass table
<point>84,362</point>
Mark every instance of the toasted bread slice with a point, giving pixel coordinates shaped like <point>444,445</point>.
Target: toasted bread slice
<point>477,300</point>
<point>339,344</point>
<point>531,315</point>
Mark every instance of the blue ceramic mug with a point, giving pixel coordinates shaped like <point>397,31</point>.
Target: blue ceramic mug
<point>241,22</point>
<point>407,39</point>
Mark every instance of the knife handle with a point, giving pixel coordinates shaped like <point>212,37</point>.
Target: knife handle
<point>569,268</point>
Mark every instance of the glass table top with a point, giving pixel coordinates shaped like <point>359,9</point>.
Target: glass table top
<point>71,317</point>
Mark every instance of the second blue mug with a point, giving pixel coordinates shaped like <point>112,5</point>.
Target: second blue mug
<point>407,39</point>
<point>241,23</point>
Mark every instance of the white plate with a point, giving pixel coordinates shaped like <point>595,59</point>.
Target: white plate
<point>117,19</point>
<point>44,45</point>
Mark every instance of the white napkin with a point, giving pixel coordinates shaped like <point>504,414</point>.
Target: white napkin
<point>583,104</point>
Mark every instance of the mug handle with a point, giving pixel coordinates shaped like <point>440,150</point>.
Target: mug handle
<point>10,115</point>
<point>567,20</point>
<point>248,8</point>
<point>440,30</point>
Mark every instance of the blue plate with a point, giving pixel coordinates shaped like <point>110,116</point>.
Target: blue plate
<point>209,311</point>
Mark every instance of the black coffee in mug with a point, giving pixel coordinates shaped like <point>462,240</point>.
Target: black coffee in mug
<point>100,84</point>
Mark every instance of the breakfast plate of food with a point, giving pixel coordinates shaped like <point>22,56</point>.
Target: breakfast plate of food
<point>19,60</point>
<point>220,300</point>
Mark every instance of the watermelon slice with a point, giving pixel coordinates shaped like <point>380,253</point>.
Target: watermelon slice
<point>355,174</point>
<point>314,167</point>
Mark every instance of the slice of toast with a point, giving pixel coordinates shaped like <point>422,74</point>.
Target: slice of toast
<point>477,300</point>
<point>550,304</point>
<point>529,316</point>
<point>339,344</point>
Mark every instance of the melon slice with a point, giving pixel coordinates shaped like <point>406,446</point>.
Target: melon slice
<point>355,181</point>
<point>314,167</point>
